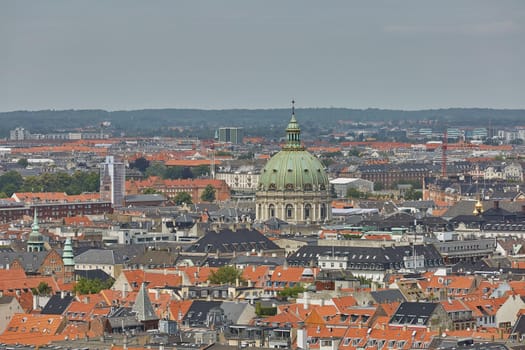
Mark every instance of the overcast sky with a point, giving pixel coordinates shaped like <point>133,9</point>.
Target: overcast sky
<point>212,54</point>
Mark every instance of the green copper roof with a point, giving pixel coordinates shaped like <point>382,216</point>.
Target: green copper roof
<point>35,236</point>
<point>293,168</point>
<point>67,254</point>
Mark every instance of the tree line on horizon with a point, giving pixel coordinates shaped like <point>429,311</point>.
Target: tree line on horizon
<point>76,183</point>
<point>200,123</point>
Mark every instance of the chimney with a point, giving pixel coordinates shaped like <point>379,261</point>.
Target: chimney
<point>302,337</point>
<point>306,300</point>
<point>496,204</point>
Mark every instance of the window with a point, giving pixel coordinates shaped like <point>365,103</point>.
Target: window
<point>271,210</point>
<point>307,210</point>
<point>289,211</point>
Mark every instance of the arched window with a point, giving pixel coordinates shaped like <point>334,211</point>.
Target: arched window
<point>289,211</point>
<point>271,210</point>
<point>323,211</point>
<point>307,211</point>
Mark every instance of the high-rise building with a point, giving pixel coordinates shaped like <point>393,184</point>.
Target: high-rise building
<point>232,135</point>
<point>19,134</point>
<point>113,181</point>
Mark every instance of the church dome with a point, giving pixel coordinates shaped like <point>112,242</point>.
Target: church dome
<point>293,168</point>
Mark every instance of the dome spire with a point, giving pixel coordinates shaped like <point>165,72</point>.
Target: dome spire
<point>35,242</point>
<point>293,133</point>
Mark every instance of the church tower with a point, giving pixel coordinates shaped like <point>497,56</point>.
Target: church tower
<point>35,243</point>
<point>69,262</point>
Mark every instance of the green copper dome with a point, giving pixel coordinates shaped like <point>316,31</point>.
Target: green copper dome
<point>293,168</point>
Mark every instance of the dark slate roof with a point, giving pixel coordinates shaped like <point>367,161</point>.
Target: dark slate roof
<point>144,198</point>
<point>116,254</point>
<point>96,256</point>
<point>258,260</point>
<point>185,220</point>
<point>388,296</point>
<point>30,261</point>
<point>226,214</point>
<point>234,309</point>
<point>216,262</point>
<point>398,219</point>
<point>411,313</point>
<point>143,307</point>
<point>466,207</point>
<point>388,257</point>
<point>386,207</point>
<point>154,258</point>
<point>463,207</point>
<point>467,266</point>
<point>92,274</point>
<point>57,304</point>
<point>274,223</point>
<point>228,241</point>
<point>124,317</point>
<point>5,299</point>
<point>419,204</point>
<point>519,326</point>
<point>198,312</point>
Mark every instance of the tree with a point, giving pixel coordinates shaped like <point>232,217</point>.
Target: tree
<point>23,162</point>
<point>226,275</point>
<point>149,191</point>
<point>156,169</point>
<point>355,193</point>
<point>141,164</point>
<point>262,311</point>
<point>200,170</point>
<point>173,172</point>
<point>208,195</point>
<point>92,286</point>
<point>291,292</point>
<point>10,182</point>
<point>378,186</point>
<point>413,195</point>
<point>183,197</point>
<point>42,289</point>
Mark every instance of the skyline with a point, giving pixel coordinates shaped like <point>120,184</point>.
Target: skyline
<point>235,55</point>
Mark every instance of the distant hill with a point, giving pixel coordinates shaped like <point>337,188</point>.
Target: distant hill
<point>159,121</point>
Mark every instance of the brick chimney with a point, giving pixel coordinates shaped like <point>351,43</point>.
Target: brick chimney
<point>496,204</point>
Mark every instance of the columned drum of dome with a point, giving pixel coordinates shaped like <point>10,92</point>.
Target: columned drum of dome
<point>293,185</point>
